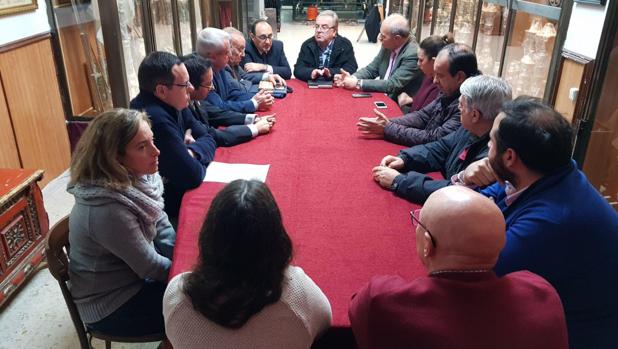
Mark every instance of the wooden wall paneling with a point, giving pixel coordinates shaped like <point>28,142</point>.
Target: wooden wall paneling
<point>31,90</point>
<point>571,77</point>
<point>9,155</point>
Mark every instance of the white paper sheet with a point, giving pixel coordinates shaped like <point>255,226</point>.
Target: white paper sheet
<point>224,173</point>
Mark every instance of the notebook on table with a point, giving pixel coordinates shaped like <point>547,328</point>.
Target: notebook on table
<point>320,83</point>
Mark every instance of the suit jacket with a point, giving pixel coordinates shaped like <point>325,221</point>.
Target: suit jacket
<point>220,117</point>
<point>228,94</point>
<point>240,75</point>
<point>445,155</point>
<point>226,137</point>
<point>341,57</point>
<point>459,310</point>
<point>405,75</point>
<point>180,170</point>
<point>275,58</point>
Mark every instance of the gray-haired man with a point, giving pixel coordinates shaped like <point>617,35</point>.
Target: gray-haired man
<point>480,102</point>
<point>396,65</point>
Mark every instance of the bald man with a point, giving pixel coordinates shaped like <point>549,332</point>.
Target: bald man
<point>396,65</point>
<point>461,303</point>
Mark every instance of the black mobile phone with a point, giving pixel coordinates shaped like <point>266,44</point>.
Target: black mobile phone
<point>361,95</point>
<point>380,105</point>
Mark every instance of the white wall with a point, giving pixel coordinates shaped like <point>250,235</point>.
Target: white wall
<point>16,27</point>
<point>585,28</point>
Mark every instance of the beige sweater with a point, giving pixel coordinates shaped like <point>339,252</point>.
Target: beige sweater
<point>294,321</point>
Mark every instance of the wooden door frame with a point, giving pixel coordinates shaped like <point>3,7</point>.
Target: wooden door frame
<point>590,105</point>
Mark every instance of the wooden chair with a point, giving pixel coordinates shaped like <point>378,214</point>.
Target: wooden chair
<point>57,250</point>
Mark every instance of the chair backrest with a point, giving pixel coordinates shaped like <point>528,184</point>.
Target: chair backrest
<point>56,249</point>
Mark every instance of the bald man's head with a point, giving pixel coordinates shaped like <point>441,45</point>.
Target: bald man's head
<point>467,229</point>
<point>394,31</point>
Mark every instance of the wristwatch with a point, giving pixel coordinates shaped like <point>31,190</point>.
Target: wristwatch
<point>358,84</point>
<point>393,186</point>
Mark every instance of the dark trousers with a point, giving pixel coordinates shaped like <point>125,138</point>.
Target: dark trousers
<point>139,316</point>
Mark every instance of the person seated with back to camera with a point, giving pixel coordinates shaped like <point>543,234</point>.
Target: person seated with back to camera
<point>243,292</point>
<point>121,239</point>
<point>249,81</point>
<point>461,303</point>
<point>214,44</point>
<point>429,91</point>
<point>200,75</point>
<point>395,66</point>
<point>406,176</point>
<point>326,53</point>
<point>453,65</point>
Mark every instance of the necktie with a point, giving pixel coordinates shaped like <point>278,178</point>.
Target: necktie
<point>391,63</point>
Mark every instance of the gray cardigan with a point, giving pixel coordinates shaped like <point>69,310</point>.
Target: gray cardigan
<point>111,254</point>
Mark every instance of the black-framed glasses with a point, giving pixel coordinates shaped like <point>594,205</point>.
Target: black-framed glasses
<point>186,85</point>
<point>209,87</point>
<point>265,37</point>
<point>415,217</point>
<point>322,28</point>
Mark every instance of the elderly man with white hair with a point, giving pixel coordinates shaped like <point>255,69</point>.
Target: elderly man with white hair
<point>214,44</point>
<point>396,65</point>
<point>326,53</point>
<point>405,175</point>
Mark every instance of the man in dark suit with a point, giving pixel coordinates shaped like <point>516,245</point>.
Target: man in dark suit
<point>201,77</point>
<point>248,81</point>
<point>214,44</point>
<point>326,53</point>
<point>396,65</point>
<point>264,54</point>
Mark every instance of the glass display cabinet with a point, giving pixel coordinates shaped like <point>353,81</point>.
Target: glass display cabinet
<point>513,39</point>
<point>102,43</point>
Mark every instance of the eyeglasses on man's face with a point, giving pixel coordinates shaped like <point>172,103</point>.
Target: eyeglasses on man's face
<point>186,85</point>
<point>416,222</point>
<point>322,28</point>
<point>265,37</point>
<point>210,86</point>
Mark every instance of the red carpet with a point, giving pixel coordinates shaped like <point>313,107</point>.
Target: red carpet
<point>345,228</point>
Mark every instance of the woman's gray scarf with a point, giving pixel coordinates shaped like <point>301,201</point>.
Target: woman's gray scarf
<point>144,198</point>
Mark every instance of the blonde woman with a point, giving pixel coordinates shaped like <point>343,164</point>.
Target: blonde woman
<point>121,239</point>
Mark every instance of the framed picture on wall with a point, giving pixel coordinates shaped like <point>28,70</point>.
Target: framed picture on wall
<point>10,7</point>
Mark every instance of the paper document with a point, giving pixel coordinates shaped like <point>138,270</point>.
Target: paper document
<point>224,173</point>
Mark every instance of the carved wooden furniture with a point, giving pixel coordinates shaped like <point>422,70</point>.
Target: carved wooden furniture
<point>23,227</point>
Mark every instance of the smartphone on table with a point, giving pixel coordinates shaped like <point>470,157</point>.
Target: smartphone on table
<point>380,104</point>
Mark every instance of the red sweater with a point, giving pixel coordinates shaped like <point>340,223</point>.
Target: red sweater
<point>459,310</point>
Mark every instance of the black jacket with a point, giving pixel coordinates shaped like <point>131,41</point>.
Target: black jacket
<point>341,57</point>
<point>444,155</point>
<point>227,137</point>
<point>275,58</point>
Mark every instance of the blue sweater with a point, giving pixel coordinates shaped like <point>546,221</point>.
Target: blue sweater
<point>563,230</point>
<point>179,169</point>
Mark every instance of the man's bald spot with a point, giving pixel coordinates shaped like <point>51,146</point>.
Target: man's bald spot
<point>465,225</point>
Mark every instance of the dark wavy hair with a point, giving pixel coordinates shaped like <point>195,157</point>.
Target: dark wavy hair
<point>244,251</point>
<point>541,137</point>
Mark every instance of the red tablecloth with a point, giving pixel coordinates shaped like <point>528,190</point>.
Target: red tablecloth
<point>344,227</point>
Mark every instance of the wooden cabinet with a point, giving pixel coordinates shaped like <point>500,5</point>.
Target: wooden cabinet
<point>23,227</point>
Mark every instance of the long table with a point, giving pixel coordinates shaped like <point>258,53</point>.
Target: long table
<point>344,227</point>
